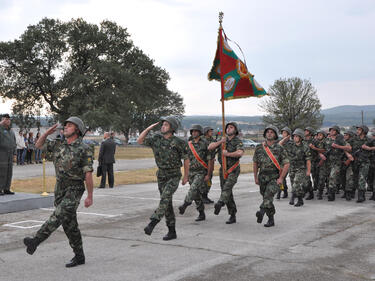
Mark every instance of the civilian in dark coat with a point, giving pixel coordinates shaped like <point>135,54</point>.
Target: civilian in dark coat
<point>106,160</point>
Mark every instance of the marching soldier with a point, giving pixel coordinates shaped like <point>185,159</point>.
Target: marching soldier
<point>168,151</point>
<point>309,139</point>
<point>361,152</point>
<point>73,165</point>
<point>208,135</point>
<point>300,166</point>
<point>371,176</point>
<point>320,147</point>
<point>286,143</point>
<point>347,167</point>
<point>232,154</point>
<point>272,162</point>
<point>200,171</point>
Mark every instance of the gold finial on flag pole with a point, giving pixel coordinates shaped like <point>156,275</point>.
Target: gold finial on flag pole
<point>221,16</point>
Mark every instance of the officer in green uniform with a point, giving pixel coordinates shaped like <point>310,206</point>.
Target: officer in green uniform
<point>319,146</point>
<point>168,150</point>
<point>286,142</point>
<point>200,170</point>
<point>270,177</point>
<point>347,167</point>
<point>300,166</point>
<point>73,165</point>
<point>208,135</point>
<point>7,154</point>
<point>232,153</point>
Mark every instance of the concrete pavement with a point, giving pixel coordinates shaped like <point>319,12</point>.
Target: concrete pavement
<point>319,241</point>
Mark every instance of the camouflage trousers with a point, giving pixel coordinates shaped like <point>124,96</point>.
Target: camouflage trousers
<point>334,176</point>
<point>315,169</point>
<point>195,191</point>
<point>227,185</point>
<point>361,169</point>
<point>206,186</point>
<point>323,174</point>
<point>349,178</point>
<point>6,170</point>
<point>371,175</point>
<point>298,180</point>
<point>68,195</point>
<point>268,187</point>
<point>167,185</point>
<point>285,183</point>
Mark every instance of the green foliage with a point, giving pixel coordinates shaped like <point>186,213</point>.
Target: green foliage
<point>91,71</point>
<point>293,102</point>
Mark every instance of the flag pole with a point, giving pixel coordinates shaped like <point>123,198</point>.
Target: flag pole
<point>223,158</point>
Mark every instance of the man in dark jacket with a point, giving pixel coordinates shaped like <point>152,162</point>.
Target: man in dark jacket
<point>106,160</point>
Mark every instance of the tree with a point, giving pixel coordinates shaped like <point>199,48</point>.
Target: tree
<point>91,71</point>
<point>293,102</point>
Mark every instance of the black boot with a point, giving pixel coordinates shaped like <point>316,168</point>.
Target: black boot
<point>205,199</point>
<point>218,206</point>
<point>320,195</point>
<point>361,196</point>
<point>171,233</point>
<point>260,215</point>
<point>79,258</point>
<point>183,207</point>
<point>291,202</point>
<point>150,227</point>
<point>311,195</point>
<point>348,195</point>
<point>332,196</point>
<point>299,202</point>
<point>232,219</point>
<point>278,194</point>
<point>270,222</point>
<point>201,217</point>
<point>285,193</point>
<point>373,196</point>
<point>31,244</point>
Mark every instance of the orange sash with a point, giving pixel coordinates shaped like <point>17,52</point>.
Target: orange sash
<point>231,169</point>
<point>191,146</point>
<point>272,157</point>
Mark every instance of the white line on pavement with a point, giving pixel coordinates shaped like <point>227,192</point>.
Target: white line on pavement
<point>84,213</point>
<point>16,224</point>
<point>130,197</point>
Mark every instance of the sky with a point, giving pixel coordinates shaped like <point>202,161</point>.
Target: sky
<point>331,43</point>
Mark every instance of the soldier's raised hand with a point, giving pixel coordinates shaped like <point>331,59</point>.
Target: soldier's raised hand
<point>51,130</point>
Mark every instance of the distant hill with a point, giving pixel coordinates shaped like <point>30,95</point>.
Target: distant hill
<point>345,115</point>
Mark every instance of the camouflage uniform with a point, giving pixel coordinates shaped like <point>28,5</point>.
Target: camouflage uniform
<point>207,185</point>
<point>168,154</point>
<point>197,173</point>
<point>298,156</point>
<point>309,186</point>
<point>361,162</point>
<point>268,174</point>
<point>227,185</point>
<point>335,157</point>
<point>72,162</point>
<point>322,168</point>
<point>287,147</point>
<point>7,151</point>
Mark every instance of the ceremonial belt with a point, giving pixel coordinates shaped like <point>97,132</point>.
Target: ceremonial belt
<point>272,157</point>
<point>231,169</point>
<point>191,146</point>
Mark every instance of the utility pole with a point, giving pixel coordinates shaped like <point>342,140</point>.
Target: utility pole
<point>362,116</point>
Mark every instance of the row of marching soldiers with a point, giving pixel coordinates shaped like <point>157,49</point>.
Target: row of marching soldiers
<point>335,161</point>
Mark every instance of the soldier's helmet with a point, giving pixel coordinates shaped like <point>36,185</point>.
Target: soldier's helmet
<point>172,122</point>
<point>364,128</point>
<point>286,129</point>
<point>78,122</point>
<point>196,127</point>
<point>336,128</point>
<point>299,132</point>
<point>206,129</point>
<point>273,128</point>
<point>311,130</point>
<point>350,133</point>
<point>235,125</point>
<point>322,132</point>
<point>340,140</point>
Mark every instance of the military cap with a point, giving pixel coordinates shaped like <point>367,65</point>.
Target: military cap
<point>172,122</point>
<point>299,132</point>
<point>196,127</point>
<point>78,122</point>
<point>286,129</point>
<point>311,130</point>
<point>206,129</point>
<point>364,128</point>
<point>322,132</point>
<point>336,128</point>
<point>273,128</point>
<point>234,124</point>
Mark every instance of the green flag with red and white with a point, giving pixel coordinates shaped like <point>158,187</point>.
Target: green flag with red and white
<point>236,81</point>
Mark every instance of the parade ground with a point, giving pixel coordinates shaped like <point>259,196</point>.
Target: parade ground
<point>319,241</point>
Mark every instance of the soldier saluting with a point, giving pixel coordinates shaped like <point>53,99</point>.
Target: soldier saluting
<point>73,165</point>
<point>168,151</point>
<point>233,152</point>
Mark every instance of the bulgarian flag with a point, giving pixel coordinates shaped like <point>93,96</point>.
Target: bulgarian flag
<point>236,81</point>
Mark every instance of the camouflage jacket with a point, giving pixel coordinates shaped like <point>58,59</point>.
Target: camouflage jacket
<point>321,144</point>
<point>231,146</point>
<point>7,141</point>
<point>334,154</point>
<point>72,161</point>
<point>201,147</point>
<point>357,151</point>
<point>288,146</point>
<point>298,156</point>
<point>215,151</point>
<point>264,162</point>
<point>168,152</point>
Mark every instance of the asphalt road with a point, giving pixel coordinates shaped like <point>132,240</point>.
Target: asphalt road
<point>320,241</point>
<point>36,170</point>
